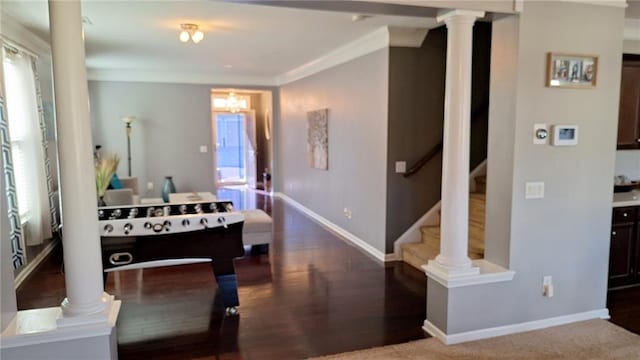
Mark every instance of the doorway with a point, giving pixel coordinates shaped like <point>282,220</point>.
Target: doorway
<point>234,148</point>
<point>241,129</point>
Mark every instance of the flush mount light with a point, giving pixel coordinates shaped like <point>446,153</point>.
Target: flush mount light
<point>190,31</point>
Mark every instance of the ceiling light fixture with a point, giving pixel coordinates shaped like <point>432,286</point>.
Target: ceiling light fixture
<point>190,31</point>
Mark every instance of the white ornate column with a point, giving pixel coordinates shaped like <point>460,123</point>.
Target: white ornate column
<point>454,223</point>
<point>85,301</point>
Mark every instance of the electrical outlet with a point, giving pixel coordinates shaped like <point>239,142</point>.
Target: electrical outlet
<point>547,286</point>
<point>150,185</point>
<point>203,148</point>
<point>347,213</point>
<point>401,167</point>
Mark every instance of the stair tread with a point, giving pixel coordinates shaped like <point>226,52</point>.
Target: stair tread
<point>421,250</point>
<point>418,254</point>
<point>481,178</point>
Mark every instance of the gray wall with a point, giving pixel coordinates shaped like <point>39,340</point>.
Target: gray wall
<point>631,47</point>
<point>173,121</point>
<point>566,234</point>
<point>416,115</point>
<point>356,94</point>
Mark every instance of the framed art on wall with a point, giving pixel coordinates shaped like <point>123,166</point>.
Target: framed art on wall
<point>571,70</point>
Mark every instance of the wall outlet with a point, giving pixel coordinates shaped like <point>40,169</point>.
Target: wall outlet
<point>203,148</point>
<point>547,286</point>
<point>401,167</point>
<point>347,213</point>
<point>150,185</point>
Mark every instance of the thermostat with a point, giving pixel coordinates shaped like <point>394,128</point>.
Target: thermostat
<point>564,135</point>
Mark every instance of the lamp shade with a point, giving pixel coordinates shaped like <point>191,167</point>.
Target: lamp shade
<point>128,119</point>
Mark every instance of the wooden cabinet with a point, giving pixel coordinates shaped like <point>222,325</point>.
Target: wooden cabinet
<point>624,253</point>
<point>629,114</point>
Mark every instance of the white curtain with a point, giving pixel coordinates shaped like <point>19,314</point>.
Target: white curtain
<point>26,145</point>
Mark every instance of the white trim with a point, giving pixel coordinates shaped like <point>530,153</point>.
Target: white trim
<point>367,44</point>
<point>444,15</point>
<point>37,326</point>
<point>344,234</point>
<point>128,75</point>
<point>33,264</point>
<point>512,329</point>
<point>488,273</point>
<point>16,33</point>
<point>612,3</point>
<point>631,29</point>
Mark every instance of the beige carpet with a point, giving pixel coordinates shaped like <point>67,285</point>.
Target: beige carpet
<point>593,339</point>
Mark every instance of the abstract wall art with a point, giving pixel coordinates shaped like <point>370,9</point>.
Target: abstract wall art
<point>318,138</point>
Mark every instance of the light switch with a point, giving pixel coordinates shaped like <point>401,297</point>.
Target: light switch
<point>401,167</point>
<point>203,148</point>
<point>534,190</point>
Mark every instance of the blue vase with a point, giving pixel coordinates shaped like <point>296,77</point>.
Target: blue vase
<point>167,188</point>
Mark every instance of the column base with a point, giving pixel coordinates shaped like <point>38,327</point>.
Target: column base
<point>74,315</point>
<point>436,269</point>
<point>43,333</point>
<point>481,272</point>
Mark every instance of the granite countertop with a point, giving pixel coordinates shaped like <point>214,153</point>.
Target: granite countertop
<point>631,198</point>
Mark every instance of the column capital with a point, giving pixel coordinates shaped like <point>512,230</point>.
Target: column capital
<point>459,15</point>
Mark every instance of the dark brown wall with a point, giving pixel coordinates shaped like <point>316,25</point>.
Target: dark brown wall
<point>416,114</point>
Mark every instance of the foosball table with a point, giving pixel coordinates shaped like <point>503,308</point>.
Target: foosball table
<point>144,236</point>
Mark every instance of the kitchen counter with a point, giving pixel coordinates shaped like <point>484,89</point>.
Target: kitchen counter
<point>631,198</point>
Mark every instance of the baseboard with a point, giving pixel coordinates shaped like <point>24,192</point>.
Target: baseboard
<point>342,233</point>
<point>512,329</point>
<point>33,264</point>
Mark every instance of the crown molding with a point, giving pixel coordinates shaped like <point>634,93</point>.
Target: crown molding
<point>128,75</point>
<point>365,45</point>
<point>612,3</point>
<point>632,29</point>
<point>16,33</point>
<point>406,37</point>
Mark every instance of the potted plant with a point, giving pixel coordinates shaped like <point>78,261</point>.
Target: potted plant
<point>105,168</point>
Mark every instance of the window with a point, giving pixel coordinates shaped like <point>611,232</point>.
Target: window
<point>18,111</point>
<point>27,147</point>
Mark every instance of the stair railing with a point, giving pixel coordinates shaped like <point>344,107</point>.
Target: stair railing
<point>436,149</point>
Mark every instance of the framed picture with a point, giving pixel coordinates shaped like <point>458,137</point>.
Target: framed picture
<point>571,71</point>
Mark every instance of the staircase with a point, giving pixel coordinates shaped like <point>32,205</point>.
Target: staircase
<point>418,254</point>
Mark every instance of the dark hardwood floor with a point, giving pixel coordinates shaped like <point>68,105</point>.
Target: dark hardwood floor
<point>313,295</point>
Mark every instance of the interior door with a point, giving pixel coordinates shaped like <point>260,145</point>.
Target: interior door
<point>251,152</point>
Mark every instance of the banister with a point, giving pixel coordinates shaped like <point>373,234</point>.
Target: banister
<point>435,150</point>
<point>423,160</point>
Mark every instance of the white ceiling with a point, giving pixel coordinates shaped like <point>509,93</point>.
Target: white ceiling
<point>240,39</point>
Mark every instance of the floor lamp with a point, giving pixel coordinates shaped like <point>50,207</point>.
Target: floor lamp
<point>128,120</point>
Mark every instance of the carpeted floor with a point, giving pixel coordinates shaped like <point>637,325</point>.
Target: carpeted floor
<point>593,339</point>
